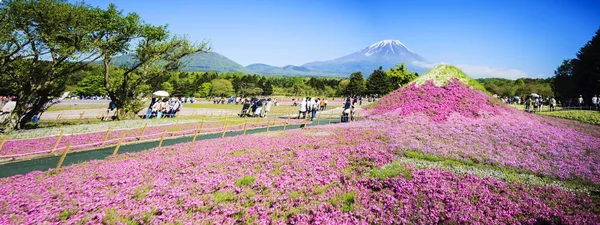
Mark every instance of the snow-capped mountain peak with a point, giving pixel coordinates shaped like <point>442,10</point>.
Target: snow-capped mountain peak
<point>394,47</point>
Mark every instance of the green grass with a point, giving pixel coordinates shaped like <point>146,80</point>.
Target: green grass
<point>223,197</point>
<point>441,75</point>
<point>56,108</point>
<point>245,181</point>
<point>141,192</point>
<point>591,117</point>
<point>67,213</point>
<point>393,169</point>
<point>346,201</point>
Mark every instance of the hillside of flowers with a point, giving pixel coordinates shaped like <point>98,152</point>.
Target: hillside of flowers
<point>453,120</point>
<point>326,175</point>
<point>438,93</point>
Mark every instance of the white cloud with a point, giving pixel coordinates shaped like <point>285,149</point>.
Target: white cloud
<point>480,71</point>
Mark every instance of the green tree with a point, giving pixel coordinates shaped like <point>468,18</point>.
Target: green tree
<point>166,86</point>
<point>154,59</point>
<point>42,43</point>
<point>204,90</point>
<point>267,88</point>
<point>378,83</point>
<point>399,76</point>
<point>580,76</point>
<point>586,69</point>
<point>356,86</point>
<point>221,88</point>
<point>563,84</point>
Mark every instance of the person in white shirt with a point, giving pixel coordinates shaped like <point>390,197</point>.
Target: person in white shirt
<point>268,104</point>
<point>595,101</point>
<point>303,109</point>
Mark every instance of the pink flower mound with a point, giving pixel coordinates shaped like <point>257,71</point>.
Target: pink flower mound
<point>436,102</point>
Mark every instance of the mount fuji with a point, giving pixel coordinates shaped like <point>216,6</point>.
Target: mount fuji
<point>385,53</point>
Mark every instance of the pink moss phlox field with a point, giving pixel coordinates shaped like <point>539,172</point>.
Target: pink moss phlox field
<point>313,176</point>
<point>530,143</point>
<point>457,122</point>
<point>436,102</point>
<point>89,140</point>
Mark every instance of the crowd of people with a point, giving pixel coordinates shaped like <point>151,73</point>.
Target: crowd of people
<point>164,108</point>
<point>535,103</point>
<point>255,107</point>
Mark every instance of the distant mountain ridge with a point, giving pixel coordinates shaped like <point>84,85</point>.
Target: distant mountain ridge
<point>385,53</point>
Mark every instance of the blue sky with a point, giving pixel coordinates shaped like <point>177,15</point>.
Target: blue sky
<point>527,38</point>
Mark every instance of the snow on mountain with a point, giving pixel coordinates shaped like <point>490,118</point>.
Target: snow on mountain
<point>385,53</point>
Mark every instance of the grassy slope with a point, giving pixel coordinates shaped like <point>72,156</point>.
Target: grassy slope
<point>591,117</point>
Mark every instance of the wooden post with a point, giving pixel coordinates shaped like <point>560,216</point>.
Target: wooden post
<point>98,116</point>
<point>57,117</point>
<point>245,121</point>
<point>211,114</point>
<point>62,157</point>
<point>330,118</point>
<point>268,124</point>
<point>81,115</point>
<point>305,121</point>
<point>3,141</point>
<point>224,129</point>
<point>57,141</point>
<point>319,119</point>
<point>198,130</point>
<point>119,144</point>
<point>143,131</point>
<point>162,137</point>
<point>194,113</point>
<point>105,136</point>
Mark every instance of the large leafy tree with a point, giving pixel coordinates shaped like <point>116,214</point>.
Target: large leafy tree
<point>356,86</point>
<point>221,88</point>
<point>42,43</point>
<point>155,57</point>
<point>399,76</point>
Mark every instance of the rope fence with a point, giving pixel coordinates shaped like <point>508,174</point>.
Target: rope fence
<point>127,135</point>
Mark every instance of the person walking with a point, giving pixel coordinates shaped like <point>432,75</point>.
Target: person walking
<point>313,108</point>
<point>595,101</point>
<point>149,111</point>
<point>580,101</point>
<point>303,109</point>
<point>175,108</point>
<point>346,111</point>
<point>552,104</point>
<point>268,104</point>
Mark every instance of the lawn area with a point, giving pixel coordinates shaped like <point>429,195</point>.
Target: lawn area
<point>591,117</point>
<point>75,107</point>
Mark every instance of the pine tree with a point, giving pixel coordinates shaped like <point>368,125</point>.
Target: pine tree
<point>378,83</point>
<point>586,69</point>
<point>356,86</point>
